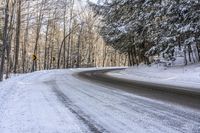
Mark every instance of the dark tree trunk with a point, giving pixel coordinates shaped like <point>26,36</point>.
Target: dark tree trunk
<point>5,41</point>
<point>45,47</point>
<point>17,36</point>
<point>64,43</point>
<point>185,55</point>
<point>25,43</point>
<point>129,59</point>
<point>78,47</point>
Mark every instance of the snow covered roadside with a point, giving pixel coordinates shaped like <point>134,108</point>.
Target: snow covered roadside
<point>27,106</point>
<point>183,76</point>
<point>11,75</point>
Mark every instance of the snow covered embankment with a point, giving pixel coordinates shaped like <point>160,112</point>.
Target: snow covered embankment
<point>183,76</point>
<point>27,105</point>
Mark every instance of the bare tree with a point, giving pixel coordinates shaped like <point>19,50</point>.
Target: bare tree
<point>5,40</point>
<point>61,41</point>
<point>18,25</point>
<point>39,24</point>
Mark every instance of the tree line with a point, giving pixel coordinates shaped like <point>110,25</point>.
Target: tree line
<point>146,29</point>
<point>59,33</point>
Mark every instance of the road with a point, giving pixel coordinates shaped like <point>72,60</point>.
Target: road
<point>179,95</point>
<point>70,101</point>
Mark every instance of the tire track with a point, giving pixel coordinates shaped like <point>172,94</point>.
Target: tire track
<point>85,119</point>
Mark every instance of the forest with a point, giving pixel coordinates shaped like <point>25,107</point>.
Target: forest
<point>51,34</point>
<point>152,30</point>
<point>56,34</point>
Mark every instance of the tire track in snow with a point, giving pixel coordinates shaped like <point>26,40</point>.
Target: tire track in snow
<point>173,118</point>
<point>91,124</point>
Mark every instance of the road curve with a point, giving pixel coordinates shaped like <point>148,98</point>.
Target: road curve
<point>57,102</point>
<point>177,95</point>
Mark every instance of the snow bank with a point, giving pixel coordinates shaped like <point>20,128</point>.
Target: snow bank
<point>184,76</point>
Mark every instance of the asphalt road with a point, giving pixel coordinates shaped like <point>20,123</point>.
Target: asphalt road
<point>57,102</point>
<point>177,95</point>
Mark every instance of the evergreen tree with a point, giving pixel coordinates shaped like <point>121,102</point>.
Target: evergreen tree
<point>145,28</point>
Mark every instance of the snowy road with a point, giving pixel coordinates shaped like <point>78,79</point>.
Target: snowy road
<point>57,102</point>
<point>185,96</point>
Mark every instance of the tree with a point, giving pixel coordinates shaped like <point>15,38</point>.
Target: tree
<point>5,39</point>
<point>143,29</point>
<point>60,34</point>
<point>18,25</point>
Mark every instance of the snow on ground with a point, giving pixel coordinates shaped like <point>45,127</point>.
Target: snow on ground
<point>56,102</point>
<point>184,76</point>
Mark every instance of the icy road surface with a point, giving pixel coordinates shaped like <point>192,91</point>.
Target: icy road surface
<point>56,102</point>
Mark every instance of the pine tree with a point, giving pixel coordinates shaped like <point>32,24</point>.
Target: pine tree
<point>143,29</point>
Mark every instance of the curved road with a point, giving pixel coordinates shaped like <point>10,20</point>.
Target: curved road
<point>179,95</point>
<point>80,101</point>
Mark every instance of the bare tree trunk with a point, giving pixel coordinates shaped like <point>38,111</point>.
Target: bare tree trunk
<point>64,32</point>
<point>39,21</point>
<point>61,46</point>
<point>185,55</point>
<point>125,60</point>
<point>10,34</point>
<point>129,59</point>
<point>70,28</point>
<point>5,41</point>
<point>25,42</point>
<point>198,51</point>
<point>51,56</point>
<point>104,55</point>
<point>45,47</point>
<point>17,36</point>
<point>189,53</point>
<point>115,58</point>
<point>78,47</point>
